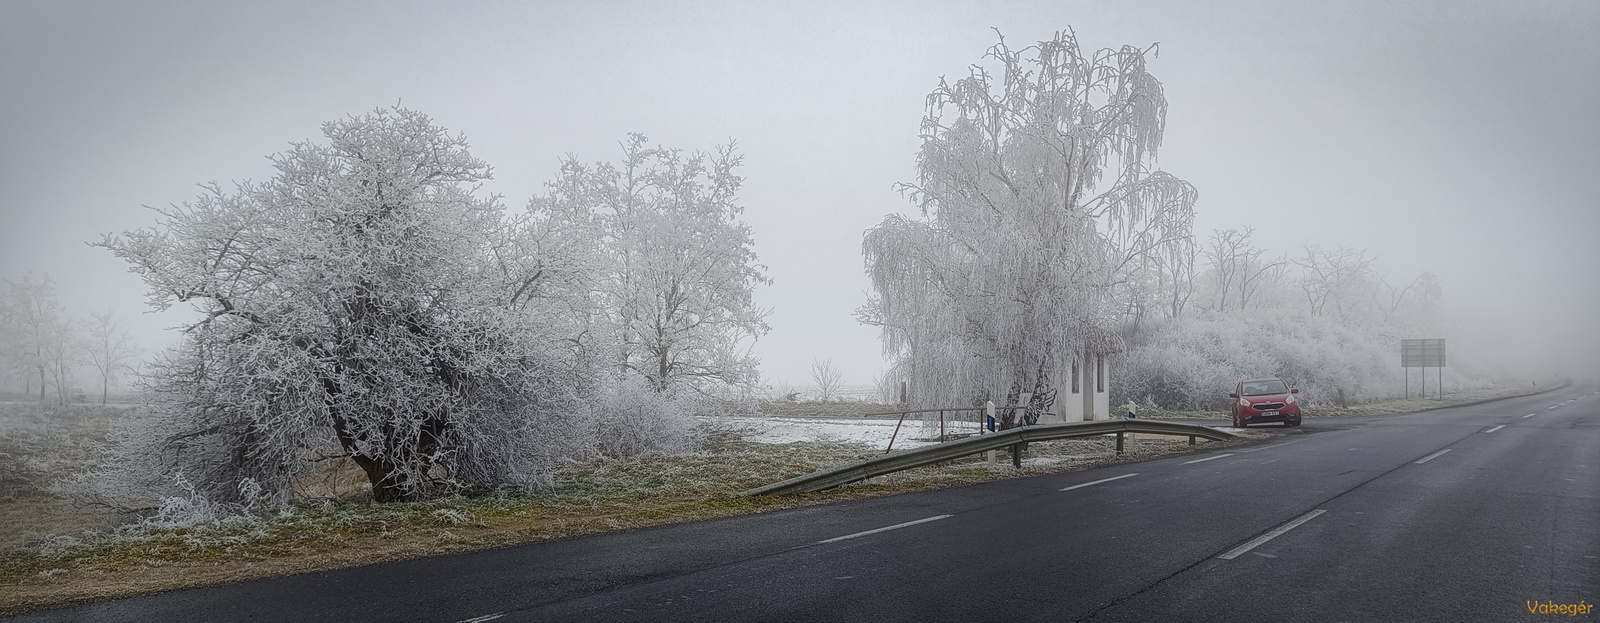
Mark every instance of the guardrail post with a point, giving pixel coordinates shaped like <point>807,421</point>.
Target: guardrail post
<point>1191,440</point>
<point>1016,455</point>
<point>1119,443</point>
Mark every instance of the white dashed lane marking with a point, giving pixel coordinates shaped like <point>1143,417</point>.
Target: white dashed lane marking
<point>1494,429</point>
<point>1209,458</point>
<point>1275,533</point>
<point>1431,456</point>
<point>1098,482</point>
<point>883,529</point>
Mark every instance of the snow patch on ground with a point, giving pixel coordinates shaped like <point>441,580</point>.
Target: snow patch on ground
<point>870,432</point>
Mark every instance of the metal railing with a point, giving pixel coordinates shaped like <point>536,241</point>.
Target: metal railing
<point>942,434</point>
<point>928,455</point>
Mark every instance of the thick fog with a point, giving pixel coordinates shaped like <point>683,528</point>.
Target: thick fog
<point>1455,138</point>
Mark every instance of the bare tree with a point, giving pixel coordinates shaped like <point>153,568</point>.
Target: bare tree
<point>1223,250</point>
<point>60,358</point>
<point>1177,275</point>
<point>1252,271</point>
<point>1334,276</point>
<point>826,377</point>
<point>37,335</point>
<point>1237,266</point>
<point>108,348</point>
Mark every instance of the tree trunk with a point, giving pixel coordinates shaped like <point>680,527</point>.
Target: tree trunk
<point>385,488</point>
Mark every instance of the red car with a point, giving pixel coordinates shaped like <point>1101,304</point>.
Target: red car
<point>1265,400</point>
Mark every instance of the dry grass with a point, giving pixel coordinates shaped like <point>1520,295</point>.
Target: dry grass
<point>37,446</point>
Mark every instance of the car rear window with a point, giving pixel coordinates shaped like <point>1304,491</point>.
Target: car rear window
<point>1263,388</point>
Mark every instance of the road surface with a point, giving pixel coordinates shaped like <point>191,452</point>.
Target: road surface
<point>1470,513</point>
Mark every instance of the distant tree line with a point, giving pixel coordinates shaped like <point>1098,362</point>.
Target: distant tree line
<point>44,350</point>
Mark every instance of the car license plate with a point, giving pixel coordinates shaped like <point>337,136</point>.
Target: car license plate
<point>1269,413</point>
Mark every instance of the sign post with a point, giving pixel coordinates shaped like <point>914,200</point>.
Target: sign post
<point>1423,353</point>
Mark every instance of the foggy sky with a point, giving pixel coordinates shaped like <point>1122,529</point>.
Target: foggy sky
<point>1459,138</point>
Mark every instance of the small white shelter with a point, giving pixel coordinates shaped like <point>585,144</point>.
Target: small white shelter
<point>1084,394</point>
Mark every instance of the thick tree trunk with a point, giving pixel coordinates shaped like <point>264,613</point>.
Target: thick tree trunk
<point>385,488</point>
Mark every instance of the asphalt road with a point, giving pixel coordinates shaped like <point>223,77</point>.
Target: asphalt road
<point>1467,513</point>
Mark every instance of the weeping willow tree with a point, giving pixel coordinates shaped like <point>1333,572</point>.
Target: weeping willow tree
<point>1040,205</point>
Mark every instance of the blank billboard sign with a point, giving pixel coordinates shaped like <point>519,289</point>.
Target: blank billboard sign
<point>1427,353</point>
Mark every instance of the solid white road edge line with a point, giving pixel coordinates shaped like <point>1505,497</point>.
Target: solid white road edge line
<point>1431,456</point>
<point>1495,429</point>
<point>883,529</point>
<point>486,617</point>
<point>1276,532</point>
<point>1087,484</point>
<point>1209,458</point>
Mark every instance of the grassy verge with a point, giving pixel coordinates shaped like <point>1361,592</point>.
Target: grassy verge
<point>588,498</point>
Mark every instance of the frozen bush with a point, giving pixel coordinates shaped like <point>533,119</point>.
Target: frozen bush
<point>1194,361</point>
<point>632,418</point>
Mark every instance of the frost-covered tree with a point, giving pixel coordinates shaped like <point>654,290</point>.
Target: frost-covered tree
<point>1237,267</point>
<point>678,266</point>
<point>826,376</point>
<point>1340,276</point>
<point>1024,243</point>
<point>37,335</point>
<point>108,348</point>
<point>364,302</point>
<point>1412,309</point>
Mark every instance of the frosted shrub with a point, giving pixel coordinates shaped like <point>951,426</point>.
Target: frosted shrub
<point>187,510</point>
<point>632,418</point>
<point>1194,361</point>
<point>451,517</point>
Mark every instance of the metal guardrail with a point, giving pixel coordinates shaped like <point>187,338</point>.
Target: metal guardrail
<point>928,455</point>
